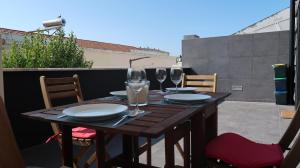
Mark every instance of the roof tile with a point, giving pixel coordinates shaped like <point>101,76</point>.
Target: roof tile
<point>81,42</point>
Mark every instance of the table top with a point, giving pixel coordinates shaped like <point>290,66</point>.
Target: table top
<point>158,118</point>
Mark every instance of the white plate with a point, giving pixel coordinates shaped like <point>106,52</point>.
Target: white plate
<point>95,111</point>
<point>121,93</point>
<point>182,89</point>
<point>187,97</point>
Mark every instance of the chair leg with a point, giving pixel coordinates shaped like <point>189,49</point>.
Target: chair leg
<point>89,162</point>
<point>80,154</point>
<point>93,157</point>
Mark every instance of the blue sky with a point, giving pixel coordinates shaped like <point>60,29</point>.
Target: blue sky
<point>147,23</point>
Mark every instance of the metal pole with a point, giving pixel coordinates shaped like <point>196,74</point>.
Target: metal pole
<point>297,74</point>
<point>135,59</point>
<point>1,72</point>
<point>291,67</point>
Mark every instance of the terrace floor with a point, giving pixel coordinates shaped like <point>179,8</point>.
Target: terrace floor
<point>258,121</point>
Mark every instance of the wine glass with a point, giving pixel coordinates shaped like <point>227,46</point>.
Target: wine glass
<point>176,75</point>
<point>136,74</point>
<point>161,75</point>
<point>136,79</point>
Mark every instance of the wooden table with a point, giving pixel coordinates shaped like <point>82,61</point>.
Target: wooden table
<point>160,120</point>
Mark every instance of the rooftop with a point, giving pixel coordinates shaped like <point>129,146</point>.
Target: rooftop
<point>89,43</point>
<point>278,21</point>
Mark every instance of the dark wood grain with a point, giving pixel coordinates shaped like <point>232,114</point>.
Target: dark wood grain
<point>160,120</point>
<point>169,149</point>
<point>100,149</point>
<point>64,87</point>
<point>163,117</point>
<point>128,150</point>
<point>65,80</point>
<point>64,94</point>
<point>67,147</point>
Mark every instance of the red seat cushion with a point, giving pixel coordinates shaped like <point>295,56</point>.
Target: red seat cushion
<point>243,153</point>
<point>84,133</point>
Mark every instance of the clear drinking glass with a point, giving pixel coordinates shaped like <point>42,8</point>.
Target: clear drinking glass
<point>137,87</point>
<point>176,75</point>
<point>161,75</point>
<point>142,95</point>
<point>136,78</point>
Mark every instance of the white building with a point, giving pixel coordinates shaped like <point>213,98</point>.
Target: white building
<point>106,55</point>
<point>279,21</point>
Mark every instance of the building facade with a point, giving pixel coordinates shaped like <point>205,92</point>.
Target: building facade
<point>105,55</point>
<point>279,21</point>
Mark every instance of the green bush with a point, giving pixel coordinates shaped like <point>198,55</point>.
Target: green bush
<point>38,50</point>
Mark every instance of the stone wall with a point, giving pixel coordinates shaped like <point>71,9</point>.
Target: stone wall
<point>242,62</point>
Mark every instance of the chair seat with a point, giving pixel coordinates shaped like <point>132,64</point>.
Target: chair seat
<point>83,133</point>
<point>241,152</point>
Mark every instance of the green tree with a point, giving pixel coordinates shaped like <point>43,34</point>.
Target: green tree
<point>38,50</point>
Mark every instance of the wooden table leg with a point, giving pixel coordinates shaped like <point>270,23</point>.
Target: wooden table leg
<point>135,146</point>
<point>212,123</point>
<point>128,150</point>
<point>197,140</point>
<point>67,146</point>
<point>149,153</point>
<point>169,149</point>
<point>100,149</point>
<point>203,129</point>
<point>186,148</point>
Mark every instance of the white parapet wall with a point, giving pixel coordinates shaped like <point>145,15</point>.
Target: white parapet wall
<point>119,59</point>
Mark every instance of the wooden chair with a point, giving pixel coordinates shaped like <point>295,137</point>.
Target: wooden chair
<point>221,145</point>
<point>205,83</point>
<point>10,155</point>
<point>58,88</point>
<point>67,87</point>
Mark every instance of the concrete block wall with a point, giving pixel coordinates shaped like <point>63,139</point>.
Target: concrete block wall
<point>239,60</point>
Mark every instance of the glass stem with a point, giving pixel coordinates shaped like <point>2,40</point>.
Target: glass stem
<point>176,88</point>
<point>161,87</point>
<point>137,102</point>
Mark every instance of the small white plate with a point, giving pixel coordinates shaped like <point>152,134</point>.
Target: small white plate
<point>95,111</point>
<point>182,89</point>
<point>121,93</point>
<point>187,97</point>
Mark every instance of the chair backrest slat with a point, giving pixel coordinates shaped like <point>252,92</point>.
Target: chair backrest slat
<point>200,83</point>
<point>64,94</point>
<point>205,83</point>
<point>200,77</point>
<point>59,88</point>
<point>10,155</point>
<point>58,81</point>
